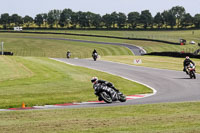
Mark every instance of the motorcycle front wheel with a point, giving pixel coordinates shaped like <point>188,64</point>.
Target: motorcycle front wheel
<point>106,97</point>
<point>192,75</point>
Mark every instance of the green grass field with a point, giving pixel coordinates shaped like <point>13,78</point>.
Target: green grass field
<point>24,45</point>
<point>36,80</point>
<point>54,48</point>
<point>40,81</point>
<point>154,61</point>
<point>169,35</point>
<point>153,118</point>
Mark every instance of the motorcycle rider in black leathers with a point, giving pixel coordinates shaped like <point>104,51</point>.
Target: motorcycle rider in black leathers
<point>68,54</point>
<point>95,81</point>
<point>186,62</point>
<point>94,52</point>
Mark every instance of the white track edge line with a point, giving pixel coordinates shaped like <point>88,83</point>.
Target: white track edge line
<point>146,95</point>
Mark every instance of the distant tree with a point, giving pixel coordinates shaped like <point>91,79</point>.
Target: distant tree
<point>146,18</point>
<point>169,18</point>
<point>16,19</point>
<point>53,18</point>
<point>133,19</point>
<point>74,19</point>
<point>158,20</point>
<point>197,20</point>
<point>121,20</point>
<point>39,20</point>
<point>65,17</point>
<point>83,19</point>
<point>95,20</point>
<point>27,20</point>
<point>187,20</point>
<point>5,20</point>
<point>89,17</point>
<point>165,15</point>
<point>178,12</point>
<point>114,19</point>
<point>107,20</point>
<point>45,16</point>
<point>176,16</point>
<point>50,19</point>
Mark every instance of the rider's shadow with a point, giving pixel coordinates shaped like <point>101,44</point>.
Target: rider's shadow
<point>182,78</point>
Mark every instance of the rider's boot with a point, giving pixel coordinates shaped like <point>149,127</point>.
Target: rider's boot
<point>187,72</point>
<point>100,99</point>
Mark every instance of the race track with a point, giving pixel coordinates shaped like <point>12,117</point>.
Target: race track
<point>171,86</point>
<point>135,49</point>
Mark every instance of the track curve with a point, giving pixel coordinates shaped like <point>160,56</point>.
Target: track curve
<point>136,50</point>
<point>171,86</point>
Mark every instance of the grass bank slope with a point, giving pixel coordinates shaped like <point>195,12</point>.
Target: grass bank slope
<point>167,35</point>
<point>154,61</point>
<point>154,118</point>
<point>42,46</point>
<point>45,47</point>
<point>40,81</point>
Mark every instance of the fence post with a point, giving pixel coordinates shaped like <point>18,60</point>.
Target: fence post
<point>2,48</point>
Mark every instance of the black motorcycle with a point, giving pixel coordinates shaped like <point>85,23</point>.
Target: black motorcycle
<point>68,55</point>
<point>95,56</point>
<point>108,94</point>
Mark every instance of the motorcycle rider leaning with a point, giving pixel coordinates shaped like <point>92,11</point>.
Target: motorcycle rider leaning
<point>186,62</point>
<point>95,80</point>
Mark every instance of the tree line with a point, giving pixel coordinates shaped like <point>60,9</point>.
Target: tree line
<point>176,17</point>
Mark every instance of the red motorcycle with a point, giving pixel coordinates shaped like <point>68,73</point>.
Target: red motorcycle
<point>191,71</point>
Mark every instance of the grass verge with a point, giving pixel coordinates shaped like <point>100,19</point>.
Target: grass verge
<point>170,63</point>
<point>42,46</point>
<point>40,81</point>
<point>168,35</point>
<point>45,47</point>
<point>154,118</point>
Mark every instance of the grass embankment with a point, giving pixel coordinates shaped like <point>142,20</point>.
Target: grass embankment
<point>168,35</point>
<point>46,47</point>
<point>40,81</point>
<point>24,45</point>
<point>149,46</point>
<point>154,118</point>
<point>154,61</point>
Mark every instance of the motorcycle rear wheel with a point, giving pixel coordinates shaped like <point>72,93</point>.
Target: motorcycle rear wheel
<point>122,98</point>
<point>194,75</point>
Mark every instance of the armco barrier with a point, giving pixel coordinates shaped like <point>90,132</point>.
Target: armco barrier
<point>174,54</point>
<point>7,53</point>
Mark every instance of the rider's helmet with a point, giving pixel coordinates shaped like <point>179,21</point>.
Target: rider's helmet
<point>94,79</point>
<point>187,57</point>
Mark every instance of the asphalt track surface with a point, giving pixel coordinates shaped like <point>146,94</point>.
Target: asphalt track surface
<point>169,85</point>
